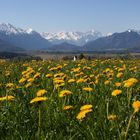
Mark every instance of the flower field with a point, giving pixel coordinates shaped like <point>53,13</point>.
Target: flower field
<point>70,100</point>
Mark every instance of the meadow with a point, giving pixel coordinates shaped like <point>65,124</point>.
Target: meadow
<point>70,100</point>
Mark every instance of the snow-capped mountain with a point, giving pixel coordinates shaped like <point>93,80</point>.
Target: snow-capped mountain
<point>76,38</point>
<point>124,41</point>
<point>14,38</point>
<point>8,29</point>
<point>27,39</point>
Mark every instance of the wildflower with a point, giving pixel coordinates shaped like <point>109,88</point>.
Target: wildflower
<point>116,92</point>
<point>22,80</point>
<point>71,80</point>
<point>48,75</point>
<point>58,81</point>
<point>112,117</point>
<point>92,75</point>
<point>68,107</point>
<point>28,85</point>
<point>9,85</point>
<point>107,82</point>
<point>30,80</point>
<point>87,89</point>
<point>87,68</point>
<point>117,84</point>
<point>59,74</point>
<point>119,75</point>
<point>130,82</point>
<point>59,85</point>
<point>64,92</point>
<point>41,92</point>
<point>37,75</point>
<point>7,97</point>
<point>82,114</point>
<point>76,69</point>
<point>86,107</point>
<point>136,106</point>
<point>121,69</point>
<point>38,99</point>
<point>80,80</point>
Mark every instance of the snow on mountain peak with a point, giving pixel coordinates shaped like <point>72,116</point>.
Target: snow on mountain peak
<point>10,29</point>
<point>109,34</point>
<point>29,30</point>
<point>76,38</point>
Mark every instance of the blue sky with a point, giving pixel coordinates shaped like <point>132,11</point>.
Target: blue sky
<point>72,15</point>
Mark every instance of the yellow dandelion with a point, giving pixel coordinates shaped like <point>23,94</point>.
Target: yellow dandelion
<point>58,81</point>
<point>64,93</point>
<point>117,84</point>
<point>59,85</point>
<point>82,114</point>
<point>9,85</point>
<point>37,75</point>
<point>136,106</point>
<point>48,75</point>
<point>7,97</point>
<point>28,85</point>
<point>112,117</point>
<point>107,82</point>
<point>22,80</point>
<point>68,107</point>
<point>71,80</point>
<point>85,107</point>
<point>116,92</point>
<point>88,89</point>
<point>81,80</point>
<point>130,82</point>
<point>38,99</point>
<point>30,80</point>
<point>119,75</point>
<point>41,92</point>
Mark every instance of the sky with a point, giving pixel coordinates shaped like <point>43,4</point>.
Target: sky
<point>72,15</point>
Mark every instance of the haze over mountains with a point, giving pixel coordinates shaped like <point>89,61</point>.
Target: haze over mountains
<point>16,39</point>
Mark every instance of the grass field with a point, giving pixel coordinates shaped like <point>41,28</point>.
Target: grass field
<point>70,100</point>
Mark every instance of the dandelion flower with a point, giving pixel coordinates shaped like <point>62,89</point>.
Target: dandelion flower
<point>48,75</point>
<point>64,92</point>
<point>8,97</point>
<point>119,75</point>
<point>41,92</point>
<point>86,107</point>
<point>107,82</point>
<point>130,82</point>
<point>68,107</point>
<point>117,84</point>
<point>38,99</point>
<point>22,80</point>
<point>136,106</point>
<point>88,89</point>
<point>82,114</point>
<point>116,92</point>
<point>80,80</point>
<point>112,117</point>
<point>71,80</point>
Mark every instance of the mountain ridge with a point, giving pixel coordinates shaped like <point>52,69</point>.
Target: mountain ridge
<point>29,39</point>
<point>75,38</point>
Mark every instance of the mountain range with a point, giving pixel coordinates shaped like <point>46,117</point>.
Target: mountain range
<point>75,38</point>
<point>125,41</point>
<point>26,39</point>
<point>17,39</point>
